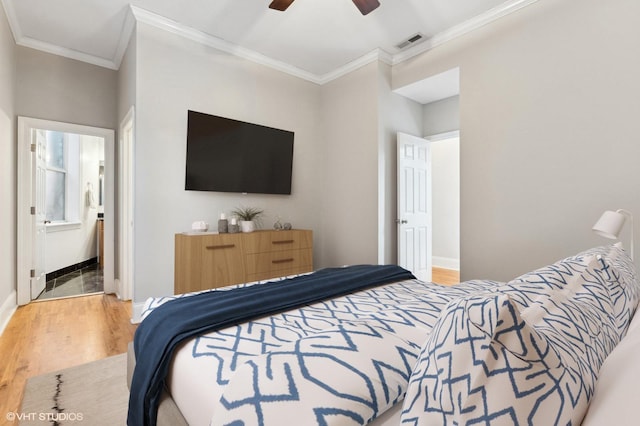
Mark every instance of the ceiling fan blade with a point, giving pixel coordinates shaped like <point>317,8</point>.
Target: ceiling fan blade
<point>281,5</point>
<point>366,6</point>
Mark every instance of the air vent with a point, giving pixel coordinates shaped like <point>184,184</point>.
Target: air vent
<point>416,38</point>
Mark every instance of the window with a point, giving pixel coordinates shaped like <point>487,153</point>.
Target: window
<point>56,177</point>
<point>63,164</point>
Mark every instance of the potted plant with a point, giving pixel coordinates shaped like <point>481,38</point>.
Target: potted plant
<point>249,217</point>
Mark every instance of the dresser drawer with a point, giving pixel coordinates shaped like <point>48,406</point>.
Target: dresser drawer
<point>261,242</point>
<point>283,260</point>
<point>210,260</point>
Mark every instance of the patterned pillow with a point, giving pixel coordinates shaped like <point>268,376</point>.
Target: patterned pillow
<point>527,354</point>
<point>484,364</point>
<point>619,271</point>
<point>608,272</point>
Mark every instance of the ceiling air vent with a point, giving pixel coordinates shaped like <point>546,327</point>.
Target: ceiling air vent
<point>416,38</point>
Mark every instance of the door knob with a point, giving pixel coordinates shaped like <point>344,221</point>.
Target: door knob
<point>401,221</point>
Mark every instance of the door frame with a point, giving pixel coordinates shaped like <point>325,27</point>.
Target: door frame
<point>26,221</point>
<point>126,205</point>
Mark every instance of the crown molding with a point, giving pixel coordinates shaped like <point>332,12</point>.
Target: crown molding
<point>67,53</point>
<point>21,40</point>
<point>374,55</point>
<point>463,28</point>
<point>158,21</point>
<point>452,33</point>
<point>13,19</point>
<point>141,15</point>
<point>128,27</point>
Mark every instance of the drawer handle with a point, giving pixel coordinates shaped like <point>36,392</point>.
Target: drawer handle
<point>275,262</point>
<point>283,242</point>
<point>222,246</point>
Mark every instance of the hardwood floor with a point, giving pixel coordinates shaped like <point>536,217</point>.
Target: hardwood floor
<point>445,276</point>
<point>51,335</point>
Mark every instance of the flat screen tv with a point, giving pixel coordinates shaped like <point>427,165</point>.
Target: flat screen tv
<point>228,155</point>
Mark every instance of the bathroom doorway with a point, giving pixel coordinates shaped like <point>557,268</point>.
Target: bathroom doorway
<point>66,188</point>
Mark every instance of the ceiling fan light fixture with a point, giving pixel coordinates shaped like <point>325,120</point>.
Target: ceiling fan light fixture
<point>366,6</point>
<point>280,5</point>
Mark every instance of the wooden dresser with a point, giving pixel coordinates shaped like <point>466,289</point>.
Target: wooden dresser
<point>210,260</point>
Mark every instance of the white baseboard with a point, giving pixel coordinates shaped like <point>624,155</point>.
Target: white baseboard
<point>137,312</point>
<point>7,310</point>
<point>446,263</point>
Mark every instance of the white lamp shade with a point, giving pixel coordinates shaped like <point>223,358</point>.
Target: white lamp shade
<point>610,224</point>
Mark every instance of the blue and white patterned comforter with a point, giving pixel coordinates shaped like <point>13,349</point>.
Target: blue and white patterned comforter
<point>342,361</point>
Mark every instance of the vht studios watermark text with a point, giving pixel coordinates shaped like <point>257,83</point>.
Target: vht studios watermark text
<point>44,417</point>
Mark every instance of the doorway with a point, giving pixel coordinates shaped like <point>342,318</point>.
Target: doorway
<point>65,196</point>
<point>428,192</point>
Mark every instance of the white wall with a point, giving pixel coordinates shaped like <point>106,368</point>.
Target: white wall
<point>8,160</point>
<point>445,174</point>
<point>176,74</point>
<point>441,116</point>
<point>549,107</point>
<point>71,246</point>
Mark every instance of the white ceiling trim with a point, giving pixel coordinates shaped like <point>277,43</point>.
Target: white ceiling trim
<point>21,40</point>
<point>374,55</point>
<point>174,27</point>
<point>125,36</point>
<point>462,29</point>
<point>141,15</point>
<point>67,53</point>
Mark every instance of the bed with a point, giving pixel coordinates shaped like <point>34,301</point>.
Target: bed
<point>534,350</point>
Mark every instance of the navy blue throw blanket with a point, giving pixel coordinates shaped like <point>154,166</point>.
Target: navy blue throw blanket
<point>177,320</point>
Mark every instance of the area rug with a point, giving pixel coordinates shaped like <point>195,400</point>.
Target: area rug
<point>94,394</point>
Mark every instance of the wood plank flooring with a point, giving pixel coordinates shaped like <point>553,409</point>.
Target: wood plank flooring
<point>445,276</point>
<point>51,335</point>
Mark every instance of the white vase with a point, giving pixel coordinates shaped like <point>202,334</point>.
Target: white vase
<point>247,225</point>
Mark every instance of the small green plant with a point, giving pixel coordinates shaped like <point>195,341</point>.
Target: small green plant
<point>248,214</point>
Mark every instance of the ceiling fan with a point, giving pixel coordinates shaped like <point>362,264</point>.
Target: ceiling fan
<point>365,6</point>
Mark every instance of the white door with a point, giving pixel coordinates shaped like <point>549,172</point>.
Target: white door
<point>39,181</point>
<point>414,205</point>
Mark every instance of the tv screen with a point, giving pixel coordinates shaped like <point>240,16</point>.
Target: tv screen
<point>228,155</point>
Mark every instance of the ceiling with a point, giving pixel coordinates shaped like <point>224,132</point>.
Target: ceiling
<point>315,39</point>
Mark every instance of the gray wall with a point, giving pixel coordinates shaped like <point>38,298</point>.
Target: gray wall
<point>174,75</point>
<point>8,160</point>
<point>549,107</point>
<point>55,88</point>
<point>350,187</point>
<point>441,116</point>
